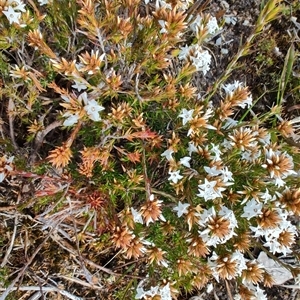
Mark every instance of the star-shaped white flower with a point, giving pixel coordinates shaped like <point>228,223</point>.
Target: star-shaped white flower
<point>229,123</point>
<point>226,175</point>
<point>212,25</point>
<point>247,102</point>
<point>174,176</point>
<point>168,154</point>
<point>192,148</point>
<point>215,150</point>
<point>137,216</point>
<point>266,196</point>
<point>208,191</point>
<point>184,52</point>
<point>252,209</point>
<point>20,6</point>
<point>12,15</point>
<point>71,120</point>
<point>231,87</point>
<point>185,161</point>
<point>140,293</point>
<point>186,115</point>
<point>79,86</point>
<point>92,109</point>
<point>165,292</point>
<point>153,291</point>
<point>181,209</point>
<point>201,60</point>
<point>207,185</point>
<point>212,171</point>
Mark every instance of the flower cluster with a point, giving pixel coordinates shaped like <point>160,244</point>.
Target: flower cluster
<point>205,25</point>
<point>163,292</point>
<point>198,57</point>
<point>77,106</point>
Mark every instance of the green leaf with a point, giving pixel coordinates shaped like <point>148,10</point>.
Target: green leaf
<point>286,73</point>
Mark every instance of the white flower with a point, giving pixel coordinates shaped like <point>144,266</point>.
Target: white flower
<point>71,120</point>
<point>252,209</point>
<point>153,291</point>
<point>181,209</point>
<point>184,52</point>
<point>266,196</point>
<point>202,61</point>
<point>206,234</point>
<point>162,23</point>
<point>212,171</point>
<point>83,98</point>
<point>2,176</point>
<point>174,176</point>
<point>247,102</point>
<point>230,123</point>
<point>208,191</point>
<point>140,293</point>
<point>66,98</point>
<point>259,294</point>
<point>162,3</point>
<point>92,108</point>
<point>168,154</point>
<point>194,25</point>
<point>229,215</point>
<point>185,161</point>
<point>79,86</point>
<point>267,233</point>
<point>192,148</point>
<point>186,115</point>
<point>137,216</point>
<point>226,175</point>
<point>43,2</point>
<point>212,25</point>
<point>266,140</point>
<point>241,262</point>
<point>209,288</point>
<point>273,241</point>
<point>20,6</point>
<point>279,182</point>
<point>231,87</point>
<point>276,247</point>
<point>226,144</point>
<point>216,151</point>
<point>205,117</point>
<point>251,156</point>
<point>165,292</point>
<point>236,257</point>
<point>273,156</point>
<point>12,15</point>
